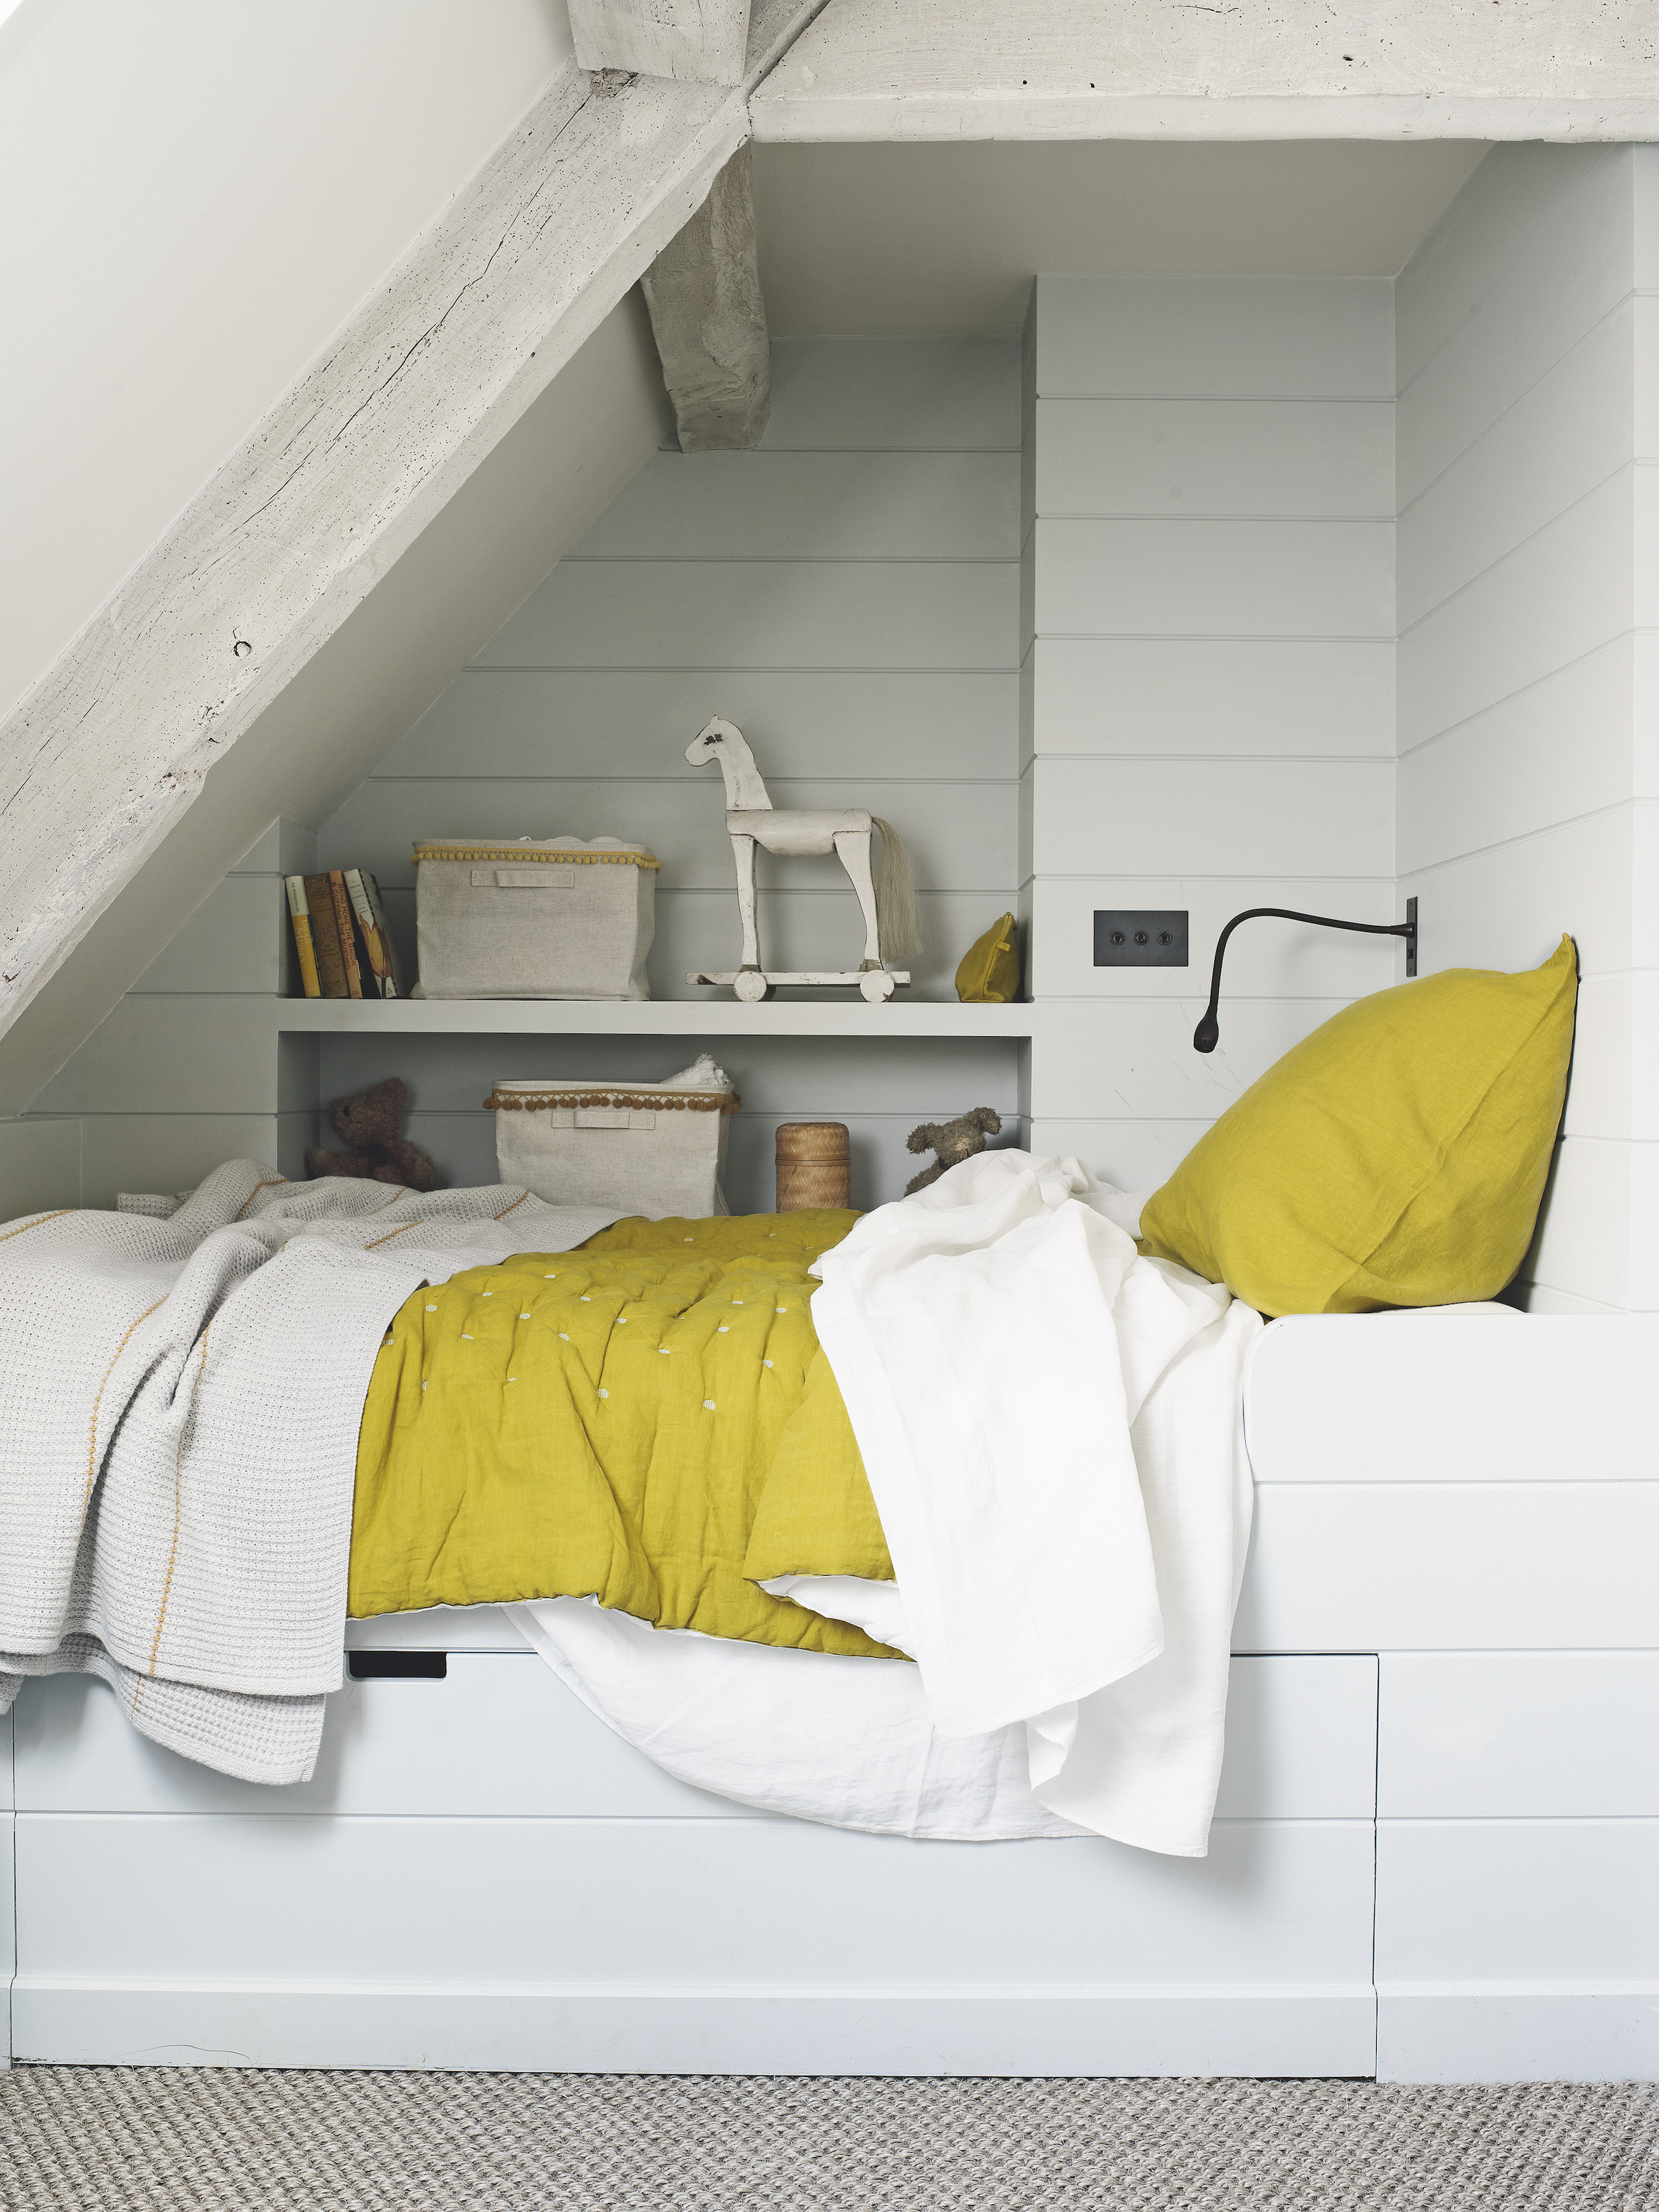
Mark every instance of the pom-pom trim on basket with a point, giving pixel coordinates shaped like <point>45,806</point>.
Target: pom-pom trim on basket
<point>562,857</point>
<point>643,1101</point>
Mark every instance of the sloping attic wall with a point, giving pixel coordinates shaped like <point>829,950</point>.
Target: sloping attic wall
<point>330,540</point>
<point>185,1070</point>
<point>227,184</point>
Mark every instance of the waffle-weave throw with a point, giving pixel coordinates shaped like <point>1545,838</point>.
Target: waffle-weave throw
<point>180,1403</point>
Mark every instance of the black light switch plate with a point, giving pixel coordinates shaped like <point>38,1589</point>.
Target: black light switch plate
<point>1140,937</point>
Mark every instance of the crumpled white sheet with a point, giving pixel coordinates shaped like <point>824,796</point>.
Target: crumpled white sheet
<point>845,1741</point>
<point>1050,1425</point>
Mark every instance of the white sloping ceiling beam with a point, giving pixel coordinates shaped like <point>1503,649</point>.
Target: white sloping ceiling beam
<point>465,428</point>
<point>289,540</point>
<point>551,476</point>
<point>1253,69</point>
<point>699,41</point>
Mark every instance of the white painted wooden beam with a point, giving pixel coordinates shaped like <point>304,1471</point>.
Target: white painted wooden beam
<point>697,41</point>
<point>296,531</point>
<point>1252,69</point>
<point>704,295</point>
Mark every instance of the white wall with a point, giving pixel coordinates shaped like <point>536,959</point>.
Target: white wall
<point>197,196</point>
<point>189,1070</point>
<point>1208,701</point>
<point>849,595</point>
<point>1529,366</point>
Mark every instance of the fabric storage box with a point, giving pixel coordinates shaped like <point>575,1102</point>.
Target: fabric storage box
<point>528,918</point>
<point>648,1148</point>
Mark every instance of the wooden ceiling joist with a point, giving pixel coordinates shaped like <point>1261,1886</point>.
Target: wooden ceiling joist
<point>1247,70</point>
<point>709,320</point>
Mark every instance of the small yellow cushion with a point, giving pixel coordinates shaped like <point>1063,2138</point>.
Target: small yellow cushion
<point>1395,1157</point>
<point>990,974</point>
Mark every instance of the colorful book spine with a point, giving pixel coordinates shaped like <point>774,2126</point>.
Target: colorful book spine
<point>376,948</point>
<point>394,983</point>
<point>325,938</point>
<point>354,975</point>
<point>300,915</point>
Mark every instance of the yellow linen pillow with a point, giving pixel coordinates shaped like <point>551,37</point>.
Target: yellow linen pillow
<point>1395,1157</point>
<point>990,974</point>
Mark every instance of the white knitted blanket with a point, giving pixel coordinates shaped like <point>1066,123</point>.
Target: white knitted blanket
<point>179,1404</point>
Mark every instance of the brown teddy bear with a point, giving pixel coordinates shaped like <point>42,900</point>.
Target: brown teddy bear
<point>954,1141</point>
<point>369,1123</point>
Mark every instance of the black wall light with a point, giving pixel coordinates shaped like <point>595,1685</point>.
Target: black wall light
<point>1209,1029</point>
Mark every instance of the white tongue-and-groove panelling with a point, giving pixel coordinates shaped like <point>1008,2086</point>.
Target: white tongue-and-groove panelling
<point>1208,692</point>
<point>1528,428</point>
<point>849,595</point>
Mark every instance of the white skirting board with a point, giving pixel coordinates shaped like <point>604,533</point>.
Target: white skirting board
<point>1271,2030</point>
<point>1517,2033</point>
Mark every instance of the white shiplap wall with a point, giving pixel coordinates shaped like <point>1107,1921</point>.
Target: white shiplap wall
<point>188,1070</point>
<point>1528,582</point>
<point>1208,704</point>
<point>847,593</point>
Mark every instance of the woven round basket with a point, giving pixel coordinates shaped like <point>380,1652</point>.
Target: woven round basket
<point>814,1166</point>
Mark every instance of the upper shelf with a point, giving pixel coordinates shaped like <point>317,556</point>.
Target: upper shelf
<point>714,1016</point>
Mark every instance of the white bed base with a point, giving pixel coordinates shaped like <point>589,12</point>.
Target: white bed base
<point>1437,1857</point>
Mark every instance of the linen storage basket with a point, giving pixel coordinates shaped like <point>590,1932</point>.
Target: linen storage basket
<point>649,1148</point>
<point>529,918</point>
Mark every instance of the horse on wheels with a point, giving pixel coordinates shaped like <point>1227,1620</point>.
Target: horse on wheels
<point>888,902</point>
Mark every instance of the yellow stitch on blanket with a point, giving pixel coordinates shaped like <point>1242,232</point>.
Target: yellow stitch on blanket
<point>270,1184</point>
<point>41,1219</point>
<point>178,1501</point>
<point>97,1403</point>
<point>375,1243</point>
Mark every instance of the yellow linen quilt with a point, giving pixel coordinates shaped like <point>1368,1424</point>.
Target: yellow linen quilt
<point>648,1419</point>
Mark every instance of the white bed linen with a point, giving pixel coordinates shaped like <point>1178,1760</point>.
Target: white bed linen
<point>1050,1425</point>
<point>847,1741</point>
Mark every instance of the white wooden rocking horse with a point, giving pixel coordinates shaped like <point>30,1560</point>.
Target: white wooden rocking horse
<point>889,903</point>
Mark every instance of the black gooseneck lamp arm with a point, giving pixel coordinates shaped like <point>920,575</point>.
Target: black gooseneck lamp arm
<point>1208,1032</point>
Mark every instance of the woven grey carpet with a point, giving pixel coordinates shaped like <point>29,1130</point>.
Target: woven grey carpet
<point>108,2138</point>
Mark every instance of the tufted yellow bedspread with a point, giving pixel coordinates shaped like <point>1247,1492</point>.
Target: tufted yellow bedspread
<point>649,1419</point>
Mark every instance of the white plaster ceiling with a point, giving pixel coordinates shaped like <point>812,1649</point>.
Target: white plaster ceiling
<point>926,240</point>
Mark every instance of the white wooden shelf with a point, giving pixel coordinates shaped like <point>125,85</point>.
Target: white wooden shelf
<point>711,1017</point>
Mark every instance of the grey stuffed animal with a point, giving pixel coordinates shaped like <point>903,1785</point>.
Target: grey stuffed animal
<point>954,1141</point>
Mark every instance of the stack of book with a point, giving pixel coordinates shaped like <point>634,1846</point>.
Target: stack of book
<point>340,934</point>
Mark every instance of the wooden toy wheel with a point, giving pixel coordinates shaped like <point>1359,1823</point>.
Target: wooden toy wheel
<point>752,986</point>
<point>876,985</point>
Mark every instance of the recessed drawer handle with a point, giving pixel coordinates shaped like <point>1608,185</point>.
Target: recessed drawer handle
<point>398,1666</point>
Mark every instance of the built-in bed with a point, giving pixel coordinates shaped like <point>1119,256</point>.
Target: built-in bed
<point>1436,1853</point>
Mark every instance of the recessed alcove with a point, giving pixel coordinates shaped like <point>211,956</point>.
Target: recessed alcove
<point>1277,549</point>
